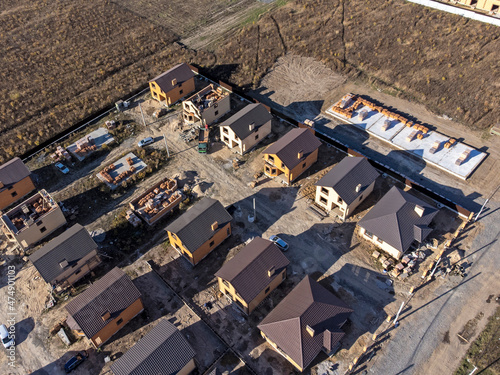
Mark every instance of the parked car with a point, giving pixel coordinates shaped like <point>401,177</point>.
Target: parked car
<point>62,168</point>
<point>75,361</point>
<point>4,334</point>
<point>279,242</point>
<point>145,142</point>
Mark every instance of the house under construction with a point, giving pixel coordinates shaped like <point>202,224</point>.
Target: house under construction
<point>32,220</point>
<point>157,201</point>
<point>206,106</point>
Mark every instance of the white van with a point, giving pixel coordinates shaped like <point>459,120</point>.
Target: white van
<point>4,335</point>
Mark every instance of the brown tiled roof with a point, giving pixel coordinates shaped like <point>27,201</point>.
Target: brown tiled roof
<point>163,350</point>
<point>181,73</point>
<point>112,293</point>
<point>194,227</point>
<point>12,172</point>
<point>288,146</point>
<point>308,304</point>
<point>346,175</point>
<point>71,246</point>
<point>248,270</point>
<point>394,220</point>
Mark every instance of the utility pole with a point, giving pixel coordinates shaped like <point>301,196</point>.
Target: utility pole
<point>166,146</point>
<point>396,323</point>
<point>482,208</point>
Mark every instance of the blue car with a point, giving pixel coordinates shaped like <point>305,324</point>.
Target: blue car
<point>75,361</point>
<point>279,242</point>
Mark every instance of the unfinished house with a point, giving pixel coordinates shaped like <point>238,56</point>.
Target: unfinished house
<point>15,182</point>
<point>105,307</point>
<point>252,274</point>
<point>67,258</point>
<point>206,106</point>
<point>172,85</point>
<point>32,220</point>
<point>307,321</point>
<point>200,230</point>
<point>345,186</point>
<point>398,221</point>
<point>157,201</point>
<point>163,350</point>
<point>242,131</point>
<point>291,155</point>
<point>491,6</point>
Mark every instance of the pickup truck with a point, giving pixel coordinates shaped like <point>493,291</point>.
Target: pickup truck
<point>203,141</point>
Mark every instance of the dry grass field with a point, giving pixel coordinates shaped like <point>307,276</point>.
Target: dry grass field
<point>63,60</point>
<point>444,61</point>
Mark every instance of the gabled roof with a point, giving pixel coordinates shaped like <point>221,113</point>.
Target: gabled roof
<point>288,146</point>
<point>71,246</point>
<point>308,304</point>
<point>347,175</point>
<point>194,227</point>
<point>248,270</point>
<point>112,293</point>
<point>240,122</point>
<point>13,171</point>
<point>162,351</point>
<point>181,73</point>
<point>394,219</point>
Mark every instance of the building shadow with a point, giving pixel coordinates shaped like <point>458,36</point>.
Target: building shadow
<point>23,329</point>
<point>92,365</point>
<point>270,204</point>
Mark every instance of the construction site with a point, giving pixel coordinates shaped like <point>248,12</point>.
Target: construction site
<point>121,170</point>
<point>206,106</point>
<point>32,220</point>
<point>91,142</point>
<point>156,202</point>
<point>373,284</point>
<point>435,148</point>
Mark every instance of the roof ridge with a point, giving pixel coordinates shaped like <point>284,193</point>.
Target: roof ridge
<point>46,249</point>
<point>124,276</point>
<point>261,252</point>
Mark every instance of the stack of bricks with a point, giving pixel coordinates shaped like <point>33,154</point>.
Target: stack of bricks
<point>450,143</point>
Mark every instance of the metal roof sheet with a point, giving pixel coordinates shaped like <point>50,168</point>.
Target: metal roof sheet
<point>308,304</point>
<point>13,171</point>
<point>347,175</point>
<point>240,122</point>
<point>288,146</point>
<point>248,270</point>
<point>393,219</point>
<point>74,244</point>
<point>162,351</point>
<point>194,227</point>
<point>112,293</point>
<point>181,72</point>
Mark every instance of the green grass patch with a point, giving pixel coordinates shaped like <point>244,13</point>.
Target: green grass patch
<point>484,351</point>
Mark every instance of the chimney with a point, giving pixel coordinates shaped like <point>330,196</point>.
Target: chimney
<point>215,225</point>
<point>419,210</point>
<point>106,316</point>
<point>271,271</point>
<point>310,330</point>
<point>300,154</point>
<point>174,82</point>
<point>358,188</point>
<point>1,184</point>
<point>63,263</point>
<point>251,127</point>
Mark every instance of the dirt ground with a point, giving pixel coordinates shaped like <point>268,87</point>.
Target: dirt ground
<point>302,102</point>
<point>325,249</point>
